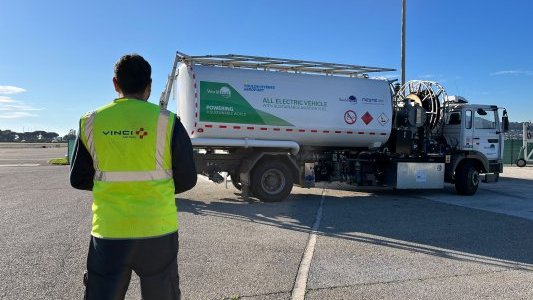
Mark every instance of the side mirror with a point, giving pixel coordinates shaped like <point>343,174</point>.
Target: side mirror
<point>505,121</point>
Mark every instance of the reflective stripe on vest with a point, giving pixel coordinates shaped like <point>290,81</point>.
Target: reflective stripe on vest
<point>90,139</point>
<point>162,124</point>
<point>119,176</point>
<point>132,175</point>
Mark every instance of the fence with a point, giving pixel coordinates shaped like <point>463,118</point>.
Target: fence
<point>511,151</point>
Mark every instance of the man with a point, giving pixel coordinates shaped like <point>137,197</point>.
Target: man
<point>134,157</point>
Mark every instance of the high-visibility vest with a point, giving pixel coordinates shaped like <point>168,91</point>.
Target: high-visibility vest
<point>129,142</point>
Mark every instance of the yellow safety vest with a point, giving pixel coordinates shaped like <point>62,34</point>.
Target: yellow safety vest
<point>129,142</point>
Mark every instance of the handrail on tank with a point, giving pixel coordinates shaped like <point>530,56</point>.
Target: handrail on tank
<point>165,95</point>
<point>279,64</point>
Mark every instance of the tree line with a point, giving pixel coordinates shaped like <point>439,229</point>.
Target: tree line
<point>35,136</point>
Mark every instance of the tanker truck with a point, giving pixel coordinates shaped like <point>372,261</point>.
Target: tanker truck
<point>271,123</point>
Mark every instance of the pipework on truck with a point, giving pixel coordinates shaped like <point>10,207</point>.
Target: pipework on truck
<point>272,123</point>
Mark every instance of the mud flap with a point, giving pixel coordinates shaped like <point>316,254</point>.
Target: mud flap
<point>491,177</point>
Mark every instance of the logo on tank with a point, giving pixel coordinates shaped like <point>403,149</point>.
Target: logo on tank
<point>375,101</point>
<point>351,99</point>
<point>252,87</point>
<point>225,92</point>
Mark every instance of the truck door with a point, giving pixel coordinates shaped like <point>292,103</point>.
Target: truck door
<point>486,138</point>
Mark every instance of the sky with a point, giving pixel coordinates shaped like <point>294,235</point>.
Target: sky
<point>57,57</point>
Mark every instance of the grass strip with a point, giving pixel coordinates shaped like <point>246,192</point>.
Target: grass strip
<point>59,161</point>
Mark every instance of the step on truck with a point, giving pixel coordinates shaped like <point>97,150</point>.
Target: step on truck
<point>272,123</point>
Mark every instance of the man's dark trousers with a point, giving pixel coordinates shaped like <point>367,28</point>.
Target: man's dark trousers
<point>110,262</point>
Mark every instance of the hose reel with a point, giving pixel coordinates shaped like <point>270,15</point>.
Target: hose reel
<point>423,100</point>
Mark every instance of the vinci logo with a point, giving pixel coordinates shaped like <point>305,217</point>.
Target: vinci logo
<point>126,134</point>
<point>141,133</point>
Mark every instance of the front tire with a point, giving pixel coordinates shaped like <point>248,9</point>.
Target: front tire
<point>466,179</point>
<point>271,181</point>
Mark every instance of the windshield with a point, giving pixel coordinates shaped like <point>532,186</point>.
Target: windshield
<point>486,121</point>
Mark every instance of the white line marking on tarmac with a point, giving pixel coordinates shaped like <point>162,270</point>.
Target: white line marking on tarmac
<point>19,159</point>
<point>300,285</point>
<point>21,165</point>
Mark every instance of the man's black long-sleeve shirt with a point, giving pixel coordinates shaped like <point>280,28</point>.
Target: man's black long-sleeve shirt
<point>183,168</point>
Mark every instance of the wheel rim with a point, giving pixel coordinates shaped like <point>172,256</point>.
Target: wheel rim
<point>273,181</point>
<point>475,178</point>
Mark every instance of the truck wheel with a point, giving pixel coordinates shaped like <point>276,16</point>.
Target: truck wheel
<point>466,179</point>
<point>521,163</point>
<point>271,181</point>
<point>236,181</point>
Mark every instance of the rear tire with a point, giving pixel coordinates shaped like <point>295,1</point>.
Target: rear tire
<point>271,181</point>
<point>521,163</point>
<point>466,179</point>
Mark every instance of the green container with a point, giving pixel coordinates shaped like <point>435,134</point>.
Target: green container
<point>71,144</point>
<point>511,151</point>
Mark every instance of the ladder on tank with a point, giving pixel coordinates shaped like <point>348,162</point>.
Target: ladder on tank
<point>526,152</point>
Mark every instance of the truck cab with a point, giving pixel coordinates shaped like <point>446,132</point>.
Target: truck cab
<point>474,132</point>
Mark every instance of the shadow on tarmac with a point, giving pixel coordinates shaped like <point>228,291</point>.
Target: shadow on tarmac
<point>397,219</point>
<point>520,181</point>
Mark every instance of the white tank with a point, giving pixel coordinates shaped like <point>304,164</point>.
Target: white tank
<point>314,110</point>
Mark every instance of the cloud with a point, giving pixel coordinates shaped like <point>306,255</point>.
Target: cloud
<point>513,72</point>
<point>10,90</point>
<point>6,99</point>
<point>16,114</point>
<point>18,106</point>
<point>11,108</point>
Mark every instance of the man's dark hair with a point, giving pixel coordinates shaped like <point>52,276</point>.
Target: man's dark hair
<point>133,73</point>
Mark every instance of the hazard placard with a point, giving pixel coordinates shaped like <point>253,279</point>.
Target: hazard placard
<point>350,117</point>
<point>383,119</point>
<point>367,118</point>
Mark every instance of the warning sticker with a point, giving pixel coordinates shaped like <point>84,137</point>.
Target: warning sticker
<point>383,119</point>
<point>367,118</point>
<point>350,117</point>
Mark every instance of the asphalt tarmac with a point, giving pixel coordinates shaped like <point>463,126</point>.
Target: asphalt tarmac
<point>386,245</point>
